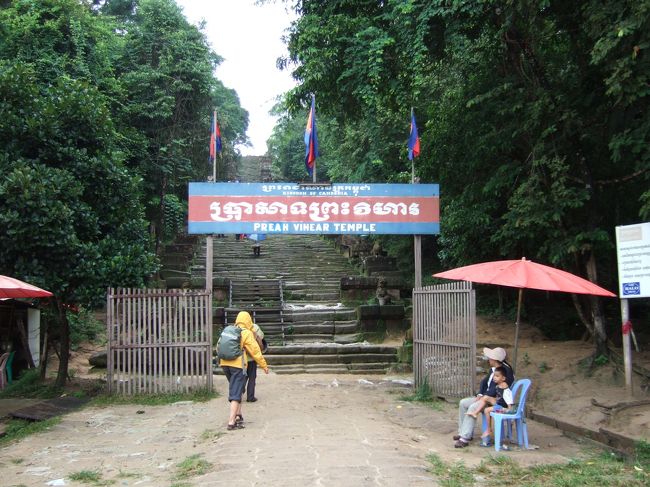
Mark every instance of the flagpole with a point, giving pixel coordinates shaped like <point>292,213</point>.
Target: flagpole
<point>417,239</point>
<point>313,98</point>
<point>209,244</point>
<point>214,162</point>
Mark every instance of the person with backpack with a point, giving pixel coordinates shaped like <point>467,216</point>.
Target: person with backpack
<point>251,369</point>
<point>236,344</point>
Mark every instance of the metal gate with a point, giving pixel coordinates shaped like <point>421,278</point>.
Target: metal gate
<point>444,338</point>
<point>159,341</point>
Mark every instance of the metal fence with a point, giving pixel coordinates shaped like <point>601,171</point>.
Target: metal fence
<point>159,341</point>
<point>444,338</point>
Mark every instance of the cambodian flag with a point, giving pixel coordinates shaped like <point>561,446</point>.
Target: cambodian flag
<point>311,138</point>
<point>215,138</point>
<point>414,140</point>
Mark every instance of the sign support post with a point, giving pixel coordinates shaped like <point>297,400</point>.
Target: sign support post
<point>208,262</point>
<point>627,346</point>
<point>633,256</point>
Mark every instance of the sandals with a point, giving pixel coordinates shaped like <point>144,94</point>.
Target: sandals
<point>239,423</point>
<point>485,440</point>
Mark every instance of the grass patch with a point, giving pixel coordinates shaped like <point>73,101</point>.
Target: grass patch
<point>191,467</point>
<point>128,475</point>
<point>595,470</point>
<point>211,435</point>
<point>454,475</point>
<point>424,394</point>
<point>642,454</point>
<point>154,399</point>
<point>30,385</point>
<point>92,477</point>
<point>17,429</point>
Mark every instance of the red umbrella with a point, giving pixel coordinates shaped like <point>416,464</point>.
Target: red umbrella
<point>14,288</point>
<point>524,274</point>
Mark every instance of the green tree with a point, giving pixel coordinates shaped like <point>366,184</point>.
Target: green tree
<point>166,69</point>
<point>70,211</point>
<point>532,117</point>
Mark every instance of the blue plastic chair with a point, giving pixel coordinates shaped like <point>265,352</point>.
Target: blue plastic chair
<point>518,417</point>
<point>514,388</point>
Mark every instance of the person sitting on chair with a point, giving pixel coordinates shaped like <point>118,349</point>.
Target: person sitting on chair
<point>467,422</point>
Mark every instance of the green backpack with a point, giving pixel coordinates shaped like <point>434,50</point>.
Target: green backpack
<point>229,344</point>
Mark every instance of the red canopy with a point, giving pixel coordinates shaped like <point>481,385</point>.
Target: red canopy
<point>14,288</point>
<point>525,274</point>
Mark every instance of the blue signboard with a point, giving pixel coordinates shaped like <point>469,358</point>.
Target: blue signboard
<point>291,208</point>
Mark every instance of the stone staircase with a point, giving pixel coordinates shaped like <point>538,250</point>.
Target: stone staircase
<point>308,266</point>
<point>292,289</point>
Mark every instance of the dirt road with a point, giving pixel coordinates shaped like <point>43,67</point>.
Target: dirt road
<point>305,430</point>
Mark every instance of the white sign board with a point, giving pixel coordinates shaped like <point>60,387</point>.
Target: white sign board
<point>633,251</point>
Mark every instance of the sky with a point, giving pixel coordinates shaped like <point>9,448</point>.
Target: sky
<point>249,38</point>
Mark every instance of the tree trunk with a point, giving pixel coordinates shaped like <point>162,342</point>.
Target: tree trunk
<point>581,314</point>
<point>600,334</point>
<point>64,345</point>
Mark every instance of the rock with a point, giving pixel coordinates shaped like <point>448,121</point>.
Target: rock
<point>98,359</point>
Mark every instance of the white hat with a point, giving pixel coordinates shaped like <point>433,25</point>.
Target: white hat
<point>497,353</point>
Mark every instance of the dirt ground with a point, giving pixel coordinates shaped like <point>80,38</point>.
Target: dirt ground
<point>317,430</point>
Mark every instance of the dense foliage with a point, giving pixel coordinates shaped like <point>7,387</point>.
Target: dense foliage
<point>104,117</point>
<point>532,116</point>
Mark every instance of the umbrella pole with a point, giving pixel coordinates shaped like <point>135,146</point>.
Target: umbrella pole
<point>514,356</point>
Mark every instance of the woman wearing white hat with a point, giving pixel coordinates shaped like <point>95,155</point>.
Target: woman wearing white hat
<point>466,422</point>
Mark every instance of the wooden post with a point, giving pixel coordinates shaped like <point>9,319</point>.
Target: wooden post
<point>208,366</point>
<point>627,347</point>
<point>208,263</point>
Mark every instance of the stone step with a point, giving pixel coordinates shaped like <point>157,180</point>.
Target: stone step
<point>310,338</point>
<point>363,369</point>
<point>330,349</point>
<point>273,359</point>
<point>314,314</point>
<point>331,327</point>
<point>367,369</point>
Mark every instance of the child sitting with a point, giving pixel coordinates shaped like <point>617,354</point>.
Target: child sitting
<point>502,403</point>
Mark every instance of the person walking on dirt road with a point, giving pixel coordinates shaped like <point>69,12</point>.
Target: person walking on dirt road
<point>235,369</point>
